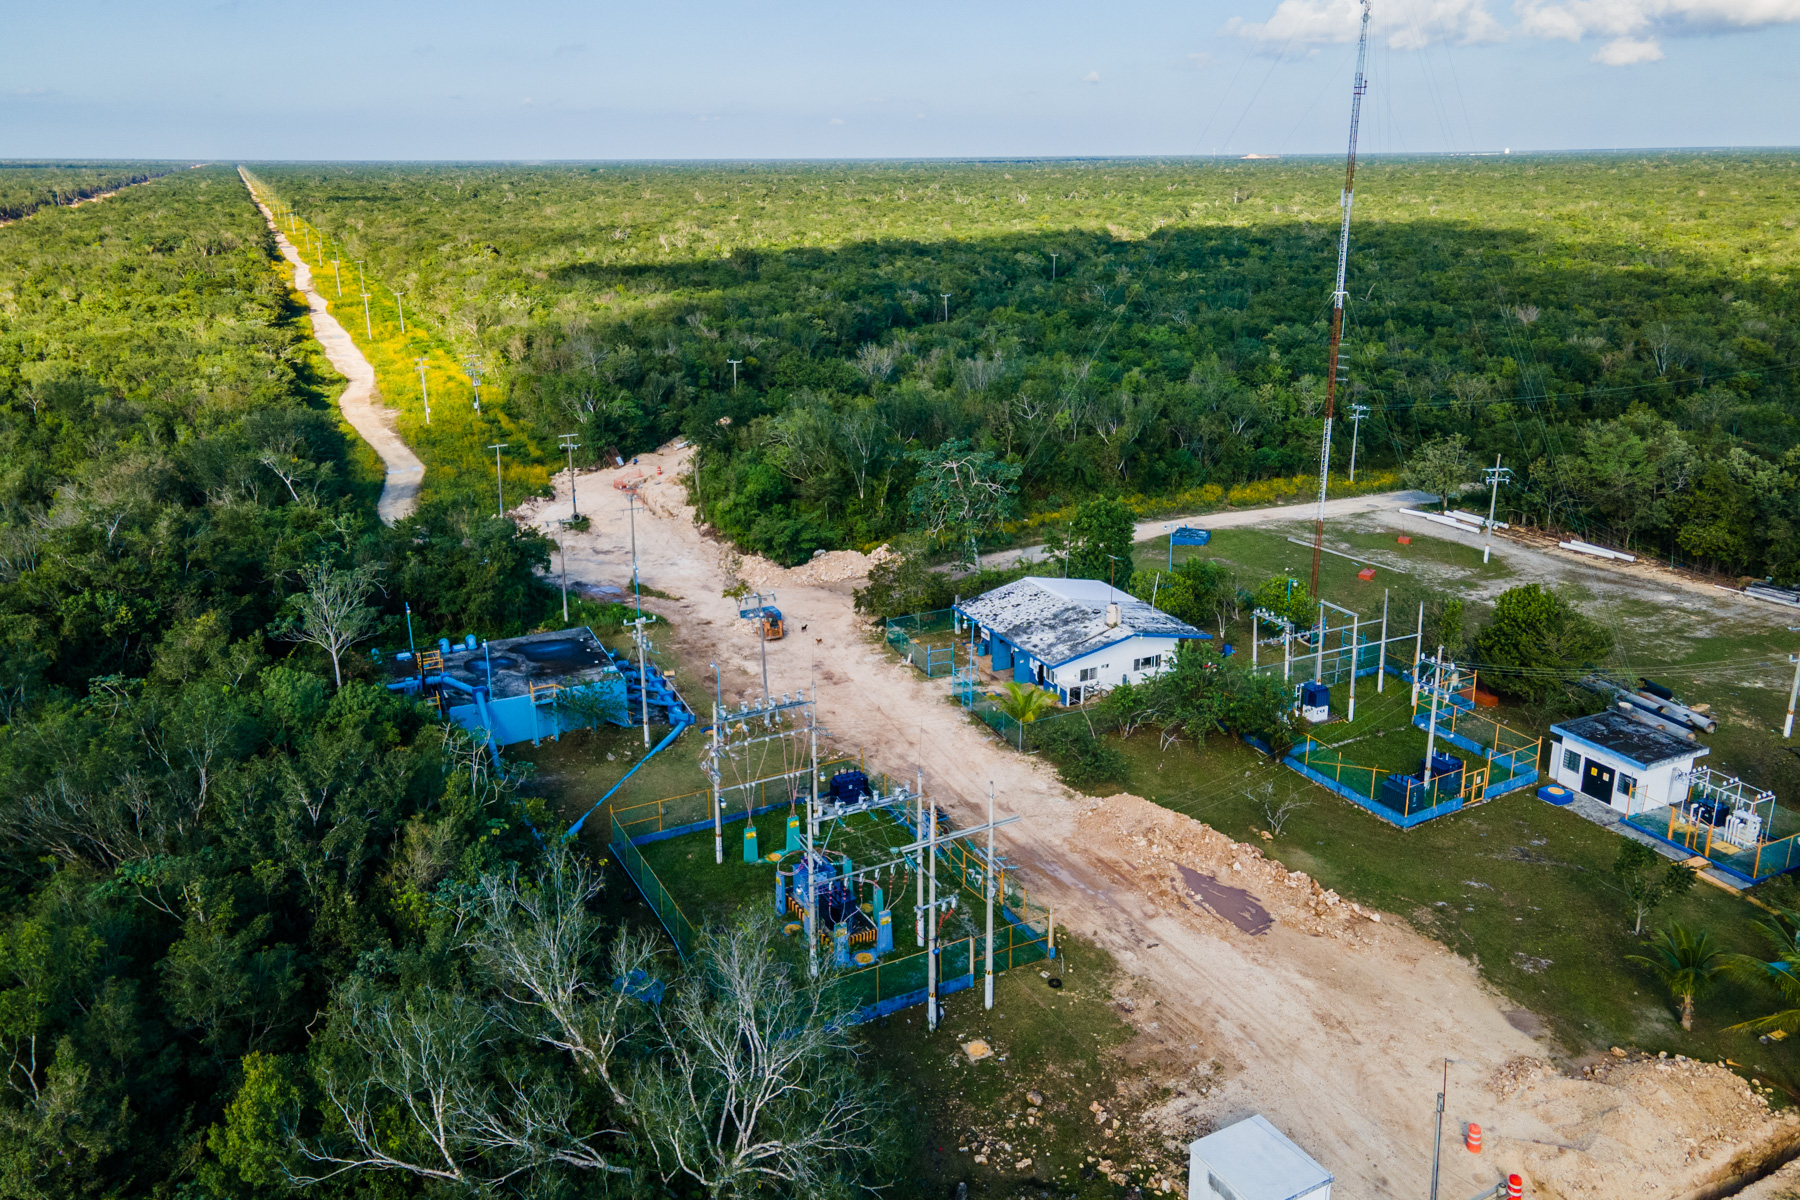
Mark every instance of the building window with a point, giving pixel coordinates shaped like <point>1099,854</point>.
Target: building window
<point>1153,663</point>
<point>1571,762</point>
<point>1625,784</point>
<point>1089,674</point>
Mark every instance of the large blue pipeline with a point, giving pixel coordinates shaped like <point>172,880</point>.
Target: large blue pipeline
<point>576,827</point>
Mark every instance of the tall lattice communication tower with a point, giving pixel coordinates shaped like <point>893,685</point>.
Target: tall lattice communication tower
<point>1332,378</point>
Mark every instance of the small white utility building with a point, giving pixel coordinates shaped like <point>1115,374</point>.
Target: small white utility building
<point>1622,762</point>
<point>1076,637</point>
<point>1253,1160</point>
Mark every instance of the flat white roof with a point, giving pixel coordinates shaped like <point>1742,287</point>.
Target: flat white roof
<point>1258,1162</point>
<point>1059,620</point>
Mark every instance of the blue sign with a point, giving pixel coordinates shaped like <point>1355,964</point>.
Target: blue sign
<point>1187,535</point>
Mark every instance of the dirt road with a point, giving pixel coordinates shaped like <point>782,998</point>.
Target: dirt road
<point>95,198</point>
<point>1336,1033</point>
<point>375,422</point>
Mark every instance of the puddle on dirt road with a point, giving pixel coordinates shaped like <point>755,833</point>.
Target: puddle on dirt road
<point>1233,904</point>
<point>1525,1021</point>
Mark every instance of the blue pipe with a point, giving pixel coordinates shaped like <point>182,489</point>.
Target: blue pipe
<point>576,827</point>
<point>487,724</point>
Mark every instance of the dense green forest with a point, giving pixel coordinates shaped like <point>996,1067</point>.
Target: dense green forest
<point>26,187</point>
<point>1620,328</point>
<point>253,906</point>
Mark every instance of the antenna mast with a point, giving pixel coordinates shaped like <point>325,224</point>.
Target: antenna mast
<point>1337,296</point>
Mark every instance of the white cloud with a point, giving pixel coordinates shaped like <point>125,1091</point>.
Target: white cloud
<point>1403,24</point>
<point>835,121</point>
<point>1632,26</point>
<point>1628,52</point>
<point>1573,19</point>
<point>1091,77</point>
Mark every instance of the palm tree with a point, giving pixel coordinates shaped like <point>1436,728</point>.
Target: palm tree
<point>1025,703</point>
<point>1781,972</point>
<point>1687,962</point>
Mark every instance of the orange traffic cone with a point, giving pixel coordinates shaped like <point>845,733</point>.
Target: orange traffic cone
<point>1515,1188</point>
<point>1472,1139</point>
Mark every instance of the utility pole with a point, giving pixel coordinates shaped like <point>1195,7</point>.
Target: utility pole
<point>714,747</point>
<point>400,303</point>
<point>638,635</point>
<point>337,275</point>
<point>1053,265</point>
<point>473,367</point>
<point>1418,656</point>
<point>919,908</point>
<point>1497,475</point>
<point>1381,662</point>
<point>946,296</point>
<point>562,551</point>
<point>812,874</point>
<point>360,282</point>
<point>568,444</point>
<point>1437,672</point>
<point>1319,659</point>
<point>1787,727</point>
<point>762,630</point>
<point>637,591</point>
<point>1357,413</point>
<point>1437,1146</point>
<point>931,924</point>
<point>734,366</point>
<point>499,484</point>
<point>988,992</point>
<point>1345,200</point>
<point>368,325</point>
<point>424,395</point>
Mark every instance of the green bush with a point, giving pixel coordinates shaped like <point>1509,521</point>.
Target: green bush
<point>1082,758</point>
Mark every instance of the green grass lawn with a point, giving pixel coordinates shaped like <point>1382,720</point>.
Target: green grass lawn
<point>1068,1044</point>
<point>574,772</point>
<point>1257,554</point>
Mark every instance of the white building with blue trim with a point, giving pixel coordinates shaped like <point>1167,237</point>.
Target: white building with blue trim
<point>1075,637</point>
<point>1622,762</point>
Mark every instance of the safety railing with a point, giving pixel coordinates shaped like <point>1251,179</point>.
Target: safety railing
<point>1751,860</point>
<point>926,640</point>
<point>669,813</point>
<point>658,897</point>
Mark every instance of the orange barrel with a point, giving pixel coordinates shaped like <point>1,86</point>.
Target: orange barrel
<point>1472,1139</point>
<point>1515,1188</point>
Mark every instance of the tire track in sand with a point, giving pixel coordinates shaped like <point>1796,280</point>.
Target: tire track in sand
<point>375,423</point>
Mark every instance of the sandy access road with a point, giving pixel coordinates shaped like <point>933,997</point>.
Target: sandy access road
<point>375,422</point>
<point>95,198</point>
<point>1335,1029</point>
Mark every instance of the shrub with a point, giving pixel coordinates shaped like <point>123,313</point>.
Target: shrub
<point>1083,759</point>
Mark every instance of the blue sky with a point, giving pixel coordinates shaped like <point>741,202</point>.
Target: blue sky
<point>386,79</point>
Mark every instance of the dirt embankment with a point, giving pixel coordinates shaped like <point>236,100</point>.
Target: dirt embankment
<point>1629,1126</point>
<point>1331,1022</point>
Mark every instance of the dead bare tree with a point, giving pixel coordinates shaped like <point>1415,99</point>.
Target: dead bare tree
<point>331,613</point>
<point>429,1084</point>
<point>756,1084</point>
<point>876,362</point>
<point>542,944</point>
<point>1276,813</point>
